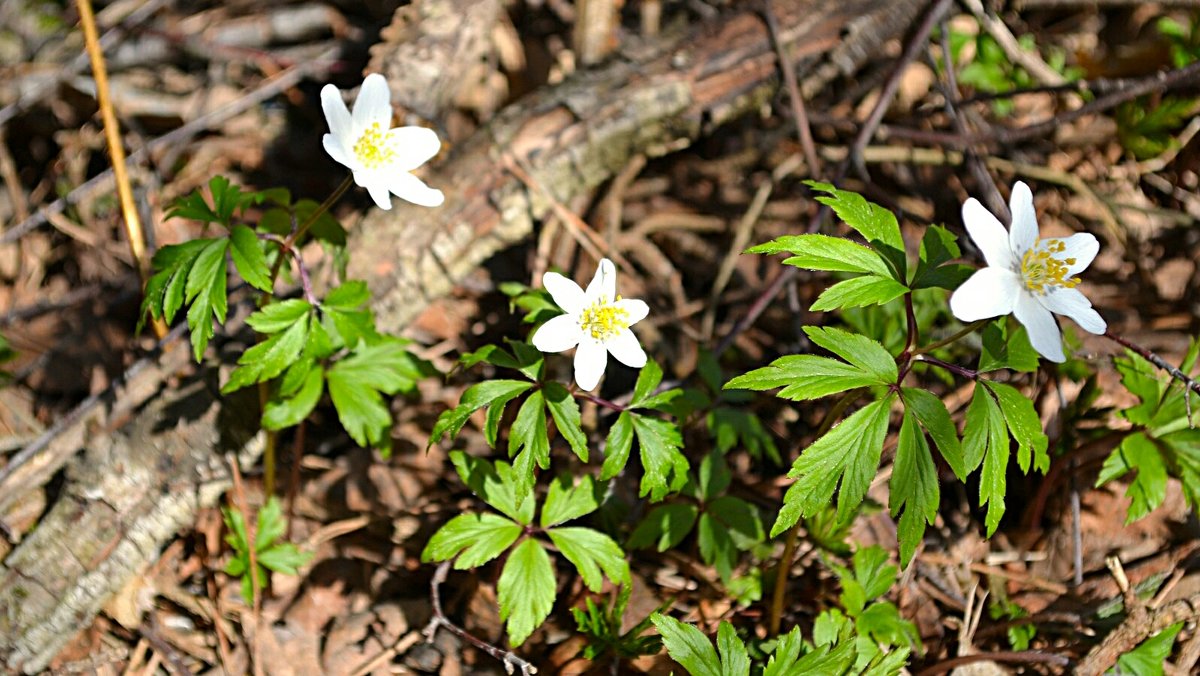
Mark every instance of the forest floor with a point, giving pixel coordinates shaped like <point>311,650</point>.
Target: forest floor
<point>69,299</point>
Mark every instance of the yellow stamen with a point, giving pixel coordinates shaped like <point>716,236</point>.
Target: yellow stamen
<point>371,148</point>
<point>603,320</point>
<point>1042,271</point>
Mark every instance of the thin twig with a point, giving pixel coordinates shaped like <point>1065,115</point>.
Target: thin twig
<point>510,660</point>
<point>1158,361</point>
<point>799,113</point>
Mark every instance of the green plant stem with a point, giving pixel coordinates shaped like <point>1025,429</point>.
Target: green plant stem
<point>957,335</point>
<point>793,535</point>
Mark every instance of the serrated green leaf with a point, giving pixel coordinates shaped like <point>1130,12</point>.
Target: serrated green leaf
<point>567,500</point>
<point>931,412</point>
<point>728,526</point>
<point>268,358</point>
<point>735,661</point>
<point>664,526</point>
<point>664,468</point>
<point>351,295</point>
<point>687,646</point>
<point>526,590</point>
<point>286,412</point>
<point>876,224</point>
<point>357,383</point>
<point>822,252</point>
<point>786,653</point>
<point>914,487</point>
<point>1023,425</point>
<point>494,484</point>
<point>529,443</point>
<point>474,538</point>
<point>565,411</point>
<point>205,291</point>
<point>985,439</point>
<point>731,427</point>
<point>164,289</point>
<point>861,351</point>
<point>883,624</point>
<point>1005,349</point>
<point>617,446</point>
<point>249,258</point>
<point>477,396</point>
<point>804,377</point>
<point>848,454</point>
<point>648,379</point>
<point>859,292</point>
<point>1149,486</point>
<point>713,477</point>
<point>284,558</point>
<point>591,552</point>
<point>276,317</point>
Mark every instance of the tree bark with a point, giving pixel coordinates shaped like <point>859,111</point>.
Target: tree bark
<point>134,489</point>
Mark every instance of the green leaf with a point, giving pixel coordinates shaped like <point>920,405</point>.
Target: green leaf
<point>271,524</point>
<point>859,292</point>
<point>914,487</point>
<point>277,317</point>
<point>567,500</point>
<point>804,377</point>
<point>714,476</point>
<point>205,292</point>
<point>164,289</point>
<point>281,413</point>
<point>357,383</point>
<point>529,442</point>
<point>494,484</point>
<point>849,453</point>
<point>351,295</point>
<point>688,646</point>
<point>284,558</point>
<point>617,446</point>
<point>345,319</point>
<point>474,538</point>
<point>1148,658</point>
<point>822,252</point>
<point>732,427</point>
<point>565,411</point>
<point>664,468</point>
<point>734,659</point>
<point>727,526</point>
<point>249,258</point>
<point>938,246</point>
<point>883,624</point>
<point>985,439</point>
<point>591,552</point>
<point>1024,426</point>
<point>1004,349</point>
<point>786,653</point>
<point>489,392</point>
<point>269,358</point>
<point>667,525</point>
<point>526,590</point>
<point>931,412</point>
<point>648,379</point>
<point>1149,487</point>
<point>868,355</point>
<point>876,224</point>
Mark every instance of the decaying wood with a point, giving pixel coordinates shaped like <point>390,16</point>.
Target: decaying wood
<point>134,489</point>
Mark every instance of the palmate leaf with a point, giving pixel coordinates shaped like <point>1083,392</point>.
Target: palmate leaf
<point>805,377</point>
<point>567,500</point>
<point>1138,452</point>
<point>288,325</point>
<point>849,454</point>
<point>938,246</point>
<point>688,646</point>
<point>474,538</point>
<point>526,590</point>
<point>985,440</point>
<point>248,257</point>
<point>665,526</point>
<point>205,292</point>
<point>529,444</point>
<point>592,553</point>
<point>493,393</point>
<point>494,484</point>
<point>1148,658</point>
<point>664,468</point>
<point>286,410</point>
<point>822,252</point>
<point>914,487</point>
<point>876,224</point>
<point>358,382</point>
<point>859,292</point>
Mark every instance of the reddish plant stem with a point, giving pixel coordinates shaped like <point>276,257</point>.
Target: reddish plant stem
<point>510,660</point>
<point>970,374</point>
<point>1153,358</point>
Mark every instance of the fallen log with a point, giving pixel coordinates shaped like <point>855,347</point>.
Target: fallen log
<point>138,485</point>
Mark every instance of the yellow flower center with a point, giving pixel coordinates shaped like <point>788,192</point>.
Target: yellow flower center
<point>1042,270</point>
<point>371,148</point>
<point>603,320</point>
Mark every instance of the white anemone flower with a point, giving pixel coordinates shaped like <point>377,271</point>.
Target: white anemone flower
<point>596,320</point>
<point>1027,276</point>
<point>380,157</point>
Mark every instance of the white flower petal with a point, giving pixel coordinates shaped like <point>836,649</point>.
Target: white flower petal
<point>336,115</point>
<point>374,104</point>
<point>333,146</point>
<point>989,292</point>
<point>566,293</point>
<point>558,334</point>
<point>636,310</point>
<point>375,189</point>
<point>590,359</point>
<point>1039,323</point>
<point>988,235</point>
<point>625,347</point>
<point>1024,232</point>
<point>1083,247</point>
<point>408,187</point>
<point>413,146</point>
<point>604,284</point>
<point>1071,303</point>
